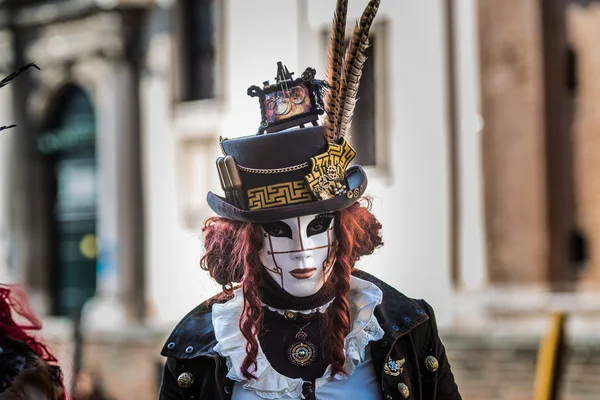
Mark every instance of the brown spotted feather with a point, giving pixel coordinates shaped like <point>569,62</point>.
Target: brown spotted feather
<point>335,58</point>
<point>353,64</point>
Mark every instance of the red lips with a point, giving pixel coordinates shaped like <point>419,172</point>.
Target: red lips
<point>302,273</point>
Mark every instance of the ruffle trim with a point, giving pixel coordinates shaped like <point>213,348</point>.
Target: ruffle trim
<point>363,296</point>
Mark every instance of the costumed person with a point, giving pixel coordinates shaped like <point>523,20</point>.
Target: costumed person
<point>295,320</point>
<point>28,370</point>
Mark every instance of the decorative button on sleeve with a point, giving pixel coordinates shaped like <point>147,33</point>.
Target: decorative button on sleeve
<point>431,363</point>
<point>403,389</point>
<point>185,380</point>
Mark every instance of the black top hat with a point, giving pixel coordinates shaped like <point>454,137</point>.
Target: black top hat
<point>300,171</point>
<point>286,174</point>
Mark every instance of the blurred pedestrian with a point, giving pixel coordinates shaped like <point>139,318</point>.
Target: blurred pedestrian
<point>28,370</point>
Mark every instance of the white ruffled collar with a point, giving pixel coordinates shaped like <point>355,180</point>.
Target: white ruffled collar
<point>363,297</point>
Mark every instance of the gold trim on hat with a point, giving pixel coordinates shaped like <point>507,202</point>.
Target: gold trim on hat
<point>279,194</point>
<point>265,171</point>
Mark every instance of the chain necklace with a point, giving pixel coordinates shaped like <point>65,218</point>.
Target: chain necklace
<point>302,352</point>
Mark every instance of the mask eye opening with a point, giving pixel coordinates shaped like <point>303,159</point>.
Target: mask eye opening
<point>277,229</point>
<point>320,224</point>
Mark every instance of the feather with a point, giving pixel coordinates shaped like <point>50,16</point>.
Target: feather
<point>352,90</point>
<point>12,76</point>
<point>353,63</point>
<point>9,79</point>
<point>353,82</point>
<point>6,127</point>
<point>335,58</point>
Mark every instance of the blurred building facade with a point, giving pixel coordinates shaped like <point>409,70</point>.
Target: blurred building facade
<point>476,125</point>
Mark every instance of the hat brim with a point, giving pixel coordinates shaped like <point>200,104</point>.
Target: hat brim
<point>355,176</point>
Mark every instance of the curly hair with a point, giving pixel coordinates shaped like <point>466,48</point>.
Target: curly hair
<point>232,256</point>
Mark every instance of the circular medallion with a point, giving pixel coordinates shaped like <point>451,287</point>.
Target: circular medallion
<point>302,353</point>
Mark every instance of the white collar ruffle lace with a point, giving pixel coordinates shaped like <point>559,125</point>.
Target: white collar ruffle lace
<point>363,298</point>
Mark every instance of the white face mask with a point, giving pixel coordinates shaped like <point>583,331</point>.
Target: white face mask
<point>299,252</point>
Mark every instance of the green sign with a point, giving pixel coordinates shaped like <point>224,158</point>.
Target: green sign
<point>65,139</point>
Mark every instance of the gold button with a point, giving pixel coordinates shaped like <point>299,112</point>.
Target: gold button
<point>290,315</point>
<point>431,363</point>
<point>185,380</point>
<point>403,389</point>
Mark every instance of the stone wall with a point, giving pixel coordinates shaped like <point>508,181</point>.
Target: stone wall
<point>583,28</point>
<point>493,368</point>
<point>581,377</point>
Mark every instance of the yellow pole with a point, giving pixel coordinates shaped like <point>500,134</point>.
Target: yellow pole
<point>545,379</point>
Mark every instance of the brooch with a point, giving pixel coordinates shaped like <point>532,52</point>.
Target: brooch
<point>326,179</point>
<point>394,368</point>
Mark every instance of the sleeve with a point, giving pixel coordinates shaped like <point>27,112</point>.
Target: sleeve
<point>169,390</point>
<point>440,379</point>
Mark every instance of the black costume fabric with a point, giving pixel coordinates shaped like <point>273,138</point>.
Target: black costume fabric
<point>273,295</point>
<point>25,363</point>
<point>15,358</point>
<point>410,334</point>
<point>278,333</point>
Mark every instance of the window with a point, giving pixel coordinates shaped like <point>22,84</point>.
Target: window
<point>198,49</point>
<point>196,175</point>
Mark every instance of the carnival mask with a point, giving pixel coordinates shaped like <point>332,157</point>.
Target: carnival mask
<point>299,252</point>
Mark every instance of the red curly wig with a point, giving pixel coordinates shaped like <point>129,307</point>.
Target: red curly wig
<point>232,256</point>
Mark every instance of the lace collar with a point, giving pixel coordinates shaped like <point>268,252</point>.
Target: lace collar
<point>363,297</point>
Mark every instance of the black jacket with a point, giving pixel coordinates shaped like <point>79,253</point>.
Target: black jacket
<point>410,335</point>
